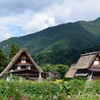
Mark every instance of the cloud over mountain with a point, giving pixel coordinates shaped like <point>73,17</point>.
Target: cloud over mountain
<point>34,15</point>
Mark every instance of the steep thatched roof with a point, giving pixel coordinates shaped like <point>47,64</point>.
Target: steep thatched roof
<point>86,60</point>
<point>15,58</point>
<point>71,72</point>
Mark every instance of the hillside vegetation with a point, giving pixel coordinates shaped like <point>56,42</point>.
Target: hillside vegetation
<point>78,35</point>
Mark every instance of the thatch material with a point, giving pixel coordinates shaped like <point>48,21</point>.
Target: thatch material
<point>15,58</point>
<point>86,60</point>
<point>71,72</point>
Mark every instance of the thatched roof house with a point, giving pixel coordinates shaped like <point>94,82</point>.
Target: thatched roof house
<point>87,65</point>
<point>22,64</point>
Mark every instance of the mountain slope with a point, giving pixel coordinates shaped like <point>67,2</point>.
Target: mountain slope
<point>78,35</point>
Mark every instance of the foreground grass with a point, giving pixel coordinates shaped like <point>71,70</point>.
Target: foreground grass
<point>50,90</point>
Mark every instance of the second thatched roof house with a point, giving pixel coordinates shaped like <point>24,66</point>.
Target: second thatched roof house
<point>88,65</point>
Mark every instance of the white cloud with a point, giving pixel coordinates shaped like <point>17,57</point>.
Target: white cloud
<point>4,33</point>
<point>39,22</point>
<point>30,16</point>
<point>85,10</point>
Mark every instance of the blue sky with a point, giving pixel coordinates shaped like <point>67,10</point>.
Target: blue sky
<point>16,30</point>
<point>22,17</point>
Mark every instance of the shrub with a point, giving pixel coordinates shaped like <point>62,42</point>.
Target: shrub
<point>75,86</point>
<point>43,90</point>
<point>48,90</point>
<point>11,89</point>
<point>96,86</point>
<point>86,97</point>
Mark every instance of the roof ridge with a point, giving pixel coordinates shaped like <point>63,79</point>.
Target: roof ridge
<point>90,53</point>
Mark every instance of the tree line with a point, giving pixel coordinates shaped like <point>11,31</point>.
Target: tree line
<point>63,56</point>
<point>61,60</point>
<point>6,58</point>
<point>52,60</point>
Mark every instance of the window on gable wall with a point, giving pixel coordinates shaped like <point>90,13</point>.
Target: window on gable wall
<point>96,62</point>
<point>19,67</point>
<point>28,67</point>
<point>23,61</point>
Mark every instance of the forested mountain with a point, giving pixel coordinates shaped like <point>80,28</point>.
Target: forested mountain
<point>78,35</point>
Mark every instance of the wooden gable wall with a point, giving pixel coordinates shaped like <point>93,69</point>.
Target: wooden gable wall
<point>96,62</point>
<point>24,65</point>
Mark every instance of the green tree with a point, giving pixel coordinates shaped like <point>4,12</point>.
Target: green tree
<point>62,69</point>
<point>13,50</point>
<point>3,60</point>
<point>17,48</point>
<point>57,68</point>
